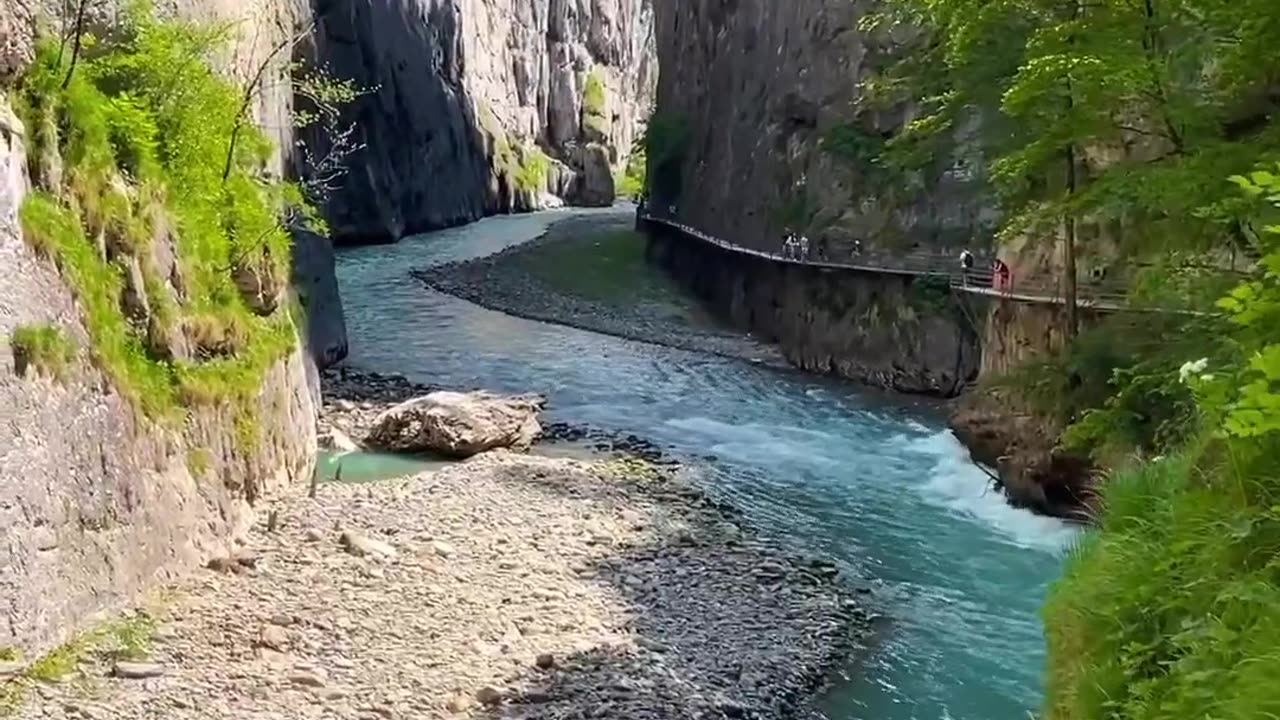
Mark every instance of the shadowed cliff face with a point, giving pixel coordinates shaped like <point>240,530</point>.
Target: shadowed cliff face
<point>422,164</point>
<point>461,91</point>
<point>760,88</point>
<point>884,330</point>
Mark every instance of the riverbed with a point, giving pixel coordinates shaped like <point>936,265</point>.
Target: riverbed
<point>875,483</point>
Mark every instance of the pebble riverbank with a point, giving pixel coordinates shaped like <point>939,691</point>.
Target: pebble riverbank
<point>506,586</point>
<point>502,282</point>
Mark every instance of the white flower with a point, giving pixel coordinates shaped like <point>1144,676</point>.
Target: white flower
<point>1192,368</point>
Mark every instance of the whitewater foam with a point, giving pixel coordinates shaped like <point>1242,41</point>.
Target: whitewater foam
<point>963,488</point>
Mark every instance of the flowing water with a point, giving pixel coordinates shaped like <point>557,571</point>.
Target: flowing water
<point>827,466</point>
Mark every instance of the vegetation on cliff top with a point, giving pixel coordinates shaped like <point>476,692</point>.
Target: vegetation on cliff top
<point>154,204</point>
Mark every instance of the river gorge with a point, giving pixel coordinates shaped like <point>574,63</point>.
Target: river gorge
<point>640,359</point>
<point>822,465</point>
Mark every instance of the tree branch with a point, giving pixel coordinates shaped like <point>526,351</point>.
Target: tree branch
<point>251,89</point>
<point>75,49</point>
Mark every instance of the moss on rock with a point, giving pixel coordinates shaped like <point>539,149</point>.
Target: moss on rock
<point>154,205</point>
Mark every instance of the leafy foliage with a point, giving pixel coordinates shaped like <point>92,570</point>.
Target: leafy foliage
<point>1172,609</point>
<point>143,125</point>
<point>631,180</point>
<point>1110,111</point>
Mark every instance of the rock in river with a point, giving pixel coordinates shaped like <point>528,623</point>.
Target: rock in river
<point>458,424</point>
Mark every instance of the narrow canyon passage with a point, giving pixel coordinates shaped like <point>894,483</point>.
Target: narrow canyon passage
<point>957,574</point>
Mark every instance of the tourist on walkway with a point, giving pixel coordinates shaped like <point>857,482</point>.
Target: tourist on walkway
<point>966,266</point>
<point>804,248</point>
<point>789,246</point>
<point>1002,276</point>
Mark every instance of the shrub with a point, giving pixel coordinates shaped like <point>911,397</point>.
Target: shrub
<point>532,168</point>
<point>43,348</point>
<point>157,148</point>
<point>1171,609</point>
<point>631,180</point>
<point>594,103</point>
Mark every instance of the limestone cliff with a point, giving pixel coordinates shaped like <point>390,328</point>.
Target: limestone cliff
<point>768,104</point>
<point>483,106</point>
<point>764,120</point>
<point>97,500</point>
<point>892,331</point>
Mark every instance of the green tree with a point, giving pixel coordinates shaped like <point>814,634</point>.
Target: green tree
<point>1172,607</point>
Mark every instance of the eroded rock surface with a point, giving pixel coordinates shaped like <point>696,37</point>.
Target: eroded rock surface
<point>458,424</point>
<point>466,90</point>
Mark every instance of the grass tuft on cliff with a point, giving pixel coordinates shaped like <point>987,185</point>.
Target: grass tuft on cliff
<point>152,218</point>
<point>532,166</point>
<point>43,348</point>
<point>595,100</point>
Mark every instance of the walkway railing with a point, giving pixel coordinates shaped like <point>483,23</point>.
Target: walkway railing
<point>981,280</point>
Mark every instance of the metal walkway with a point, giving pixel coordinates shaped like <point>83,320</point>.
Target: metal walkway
<point>1107,297</point>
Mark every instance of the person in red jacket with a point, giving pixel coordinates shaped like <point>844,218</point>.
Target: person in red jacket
<point>1003,277</point>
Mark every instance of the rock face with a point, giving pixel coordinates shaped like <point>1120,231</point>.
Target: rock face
<point>462,91</point>
<point>885,330</point>
<point>317,291</point>
<point>1004,432</point>
<point>768,97</point>
<point>458,424</point>
<point>96,503</point>
<point>1023,447</point>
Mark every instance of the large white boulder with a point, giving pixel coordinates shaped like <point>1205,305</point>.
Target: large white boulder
<point>458,424</point>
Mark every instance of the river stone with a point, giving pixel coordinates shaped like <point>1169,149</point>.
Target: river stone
<point>308,678</point>
<point>138,670</point>
<point>458,424</point>
<point>360,546</point>
<point>274,637</point>
<point>338,442</point>
<point>489,695</point>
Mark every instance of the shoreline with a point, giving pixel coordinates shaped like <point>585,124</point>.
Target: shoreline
<point>502,584</point>
<point>495,282</point>
<point>505,584</point>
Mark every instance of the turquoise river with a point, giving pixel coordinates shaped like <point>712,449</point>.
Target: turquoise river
<point>828,467</point>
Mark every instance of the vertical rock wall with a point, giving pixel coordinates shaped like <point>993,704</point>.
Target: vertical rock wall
<point>461,92</point>
<point>890,331</point>
<point>763,90</point>
<point>96,503</point>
